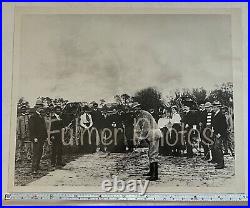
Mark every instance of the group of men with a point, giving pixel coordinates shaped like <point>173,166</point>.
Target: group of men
<point>214,127</point>
<point>212,123</point>
<point>216,133</point>
<point>34,130</point>
<point>114,129</point>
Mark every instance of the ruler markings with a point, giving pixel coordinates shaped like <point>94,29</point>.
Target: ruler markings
<point>137,197</point>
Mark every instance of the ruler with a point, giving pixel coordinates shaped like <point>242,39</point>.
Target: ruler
<point>168,197</point>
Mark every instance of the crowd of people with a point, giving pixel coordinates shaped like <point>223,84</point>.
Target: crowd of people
<point>207,131</point>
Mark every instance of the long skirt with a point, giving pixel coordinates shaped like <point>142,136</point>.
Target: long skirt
<point>164,148</point>
<point>176,143</point>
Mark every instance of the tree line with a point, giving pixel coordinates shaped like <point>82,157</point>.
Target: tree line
<point>152,97</point>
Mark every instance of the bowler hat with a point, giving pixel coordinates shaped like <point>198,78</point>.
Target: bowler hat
<point>57,107</point>
<point>217,103</point>
<point>208,105</point>
<point>39,103</point>
<point>23,107</point>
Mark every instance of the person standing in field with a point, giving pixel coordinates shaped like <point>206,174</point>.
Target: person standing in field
<point>38,135</point>
<point>56,138</point>
<point>97,119</point>
<point>176,128</point>
<point>146,128</point>
<point>219,126</point>
<point>23,136</point>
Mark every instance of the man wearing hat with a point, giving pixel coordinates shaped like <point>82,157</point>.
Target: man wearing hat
<point>86,122</point>
<point>229,142</point>
<point>206,130</point>
<point>51,107</point>
<point>38,135</point>
<point>190,124</point>
<point>146,128</point>
<point>22,132</point>
<point>97,119</point>
<point>219,132</point>
<point>56,137</point>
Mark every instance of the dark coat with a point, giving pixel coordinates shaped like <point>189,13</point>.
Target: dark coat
<point>115,119</point>
<point>106,122</point>
<point>97,118</point>
<point>37,127</point>
<point>128,120</point>
<point>56,125</point>
<point>203,118</point>
<point>219,124</point>
<point>191,119</point>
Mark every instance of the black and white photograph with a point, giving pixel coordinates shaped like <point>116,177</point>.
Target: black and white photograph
<point>126,102</point>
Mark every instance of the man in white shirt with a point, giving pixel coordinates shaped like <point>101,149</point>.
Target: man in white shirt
<point>86,119</point>
<point>89,142</point>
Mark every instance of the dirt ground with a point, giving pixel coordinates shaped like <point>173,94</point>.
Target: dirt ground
<point>23,175</point>
<point>92,169</point>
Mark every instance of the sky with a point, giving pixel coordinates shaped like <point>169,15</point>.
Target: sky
<point>89,57</point>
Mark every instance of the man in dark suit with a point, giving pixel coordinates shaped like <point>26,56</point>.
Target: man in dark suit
<point>56,137</point>
<point>97,119</point>
<point>219,132</point>
<point>113,121</point>
<point>190,122</point>
<point>38,134</point>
